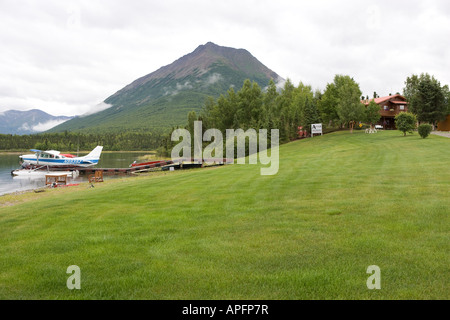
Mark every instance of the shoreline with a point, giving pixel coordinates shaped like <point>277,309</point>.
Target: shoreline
<point>15,194</point>
<point>22,196</point>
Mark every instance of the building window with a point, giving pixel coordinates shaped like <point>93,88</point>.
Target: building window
<point>402,107</point>
<point>386,108</point>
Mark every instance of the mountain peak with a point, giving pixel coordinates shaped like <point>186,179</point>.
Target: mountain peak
<point>207,45</point>
<point>221,50</point>
<point>211,44</point>
<point>200,61</point>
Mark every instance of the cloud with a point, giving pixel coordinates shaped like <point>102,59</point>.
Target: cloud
<point>279,83</point>
<point>178,87</point>
<point>63,57</point>
<point>184,86</point>
<point>26,127</point>
<point>97,108</point>
<point>40,127</point>
<point>215,77</point>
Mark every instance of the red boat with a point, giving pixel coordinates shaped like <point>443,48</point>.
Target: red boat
<point>135,164</point>
<point>68,155</point>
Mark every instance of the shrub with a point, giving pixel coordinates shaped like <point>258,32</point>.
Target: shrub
<point>406,122</point>
<point>425,130</point>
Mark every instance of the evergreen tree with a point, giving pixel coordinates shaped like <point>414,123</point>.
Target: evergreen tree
<point>269,106</point>
<point>427,99</point>
<point>284,113</point>
<point>310,114</point>
<point>249,104</point>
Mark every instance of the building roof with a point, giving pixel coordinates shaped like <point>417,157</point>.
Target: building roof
<point>398,99</point>
<point>399,102</point>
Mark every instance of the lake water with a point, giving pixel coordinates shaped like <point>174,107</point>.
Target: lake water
<point>9,162</point>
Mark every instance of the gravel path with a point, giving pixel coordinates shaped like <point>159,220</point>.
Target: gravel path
<point>442,133</point>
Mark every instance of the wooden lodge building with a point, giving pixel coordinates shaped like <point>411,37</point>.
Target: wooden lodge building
<point>390,106</point>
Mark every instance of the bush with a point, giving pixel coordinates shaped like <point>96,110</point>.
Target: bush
<point>405,122</point>
<point>425,130</point>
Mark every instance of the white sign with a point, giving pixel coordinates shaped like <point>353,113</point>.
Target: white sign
<point>316,128</point>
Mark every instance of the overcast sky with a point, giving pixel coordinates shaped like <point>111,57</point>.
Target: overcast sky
<point>66,57</point>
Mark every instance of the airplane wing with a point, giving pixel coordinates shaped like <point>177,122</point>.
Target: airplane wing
<point>52,152</point>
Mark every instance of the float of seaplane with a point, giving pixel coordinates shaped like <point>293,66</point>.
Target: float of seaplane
<point>42,162</point>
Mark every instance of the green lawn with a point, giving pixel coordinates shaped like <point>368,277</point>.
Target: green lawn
<point>339,203</point>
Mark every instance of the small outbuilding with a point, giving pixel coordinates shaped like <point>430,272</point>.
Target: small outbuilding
<point>444,125</point>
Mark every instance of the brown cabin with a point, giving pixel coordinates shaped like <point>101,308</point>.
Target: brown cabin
<point>390,106</point>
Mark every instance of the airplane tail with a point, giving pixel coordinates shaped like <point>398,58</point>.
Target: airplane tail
<point>95,154</point>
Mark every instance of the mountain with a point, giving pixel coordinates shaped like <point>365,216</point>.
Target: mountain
<point>28,122</point>
<point>163,98</point>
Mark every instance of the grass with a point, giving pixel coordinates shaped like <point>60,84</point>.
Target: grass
<point>339,203</point>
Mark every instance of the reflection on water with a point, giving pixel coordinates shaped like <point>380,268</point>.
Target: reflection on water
<point>22,183</point>
<point>9,162</point>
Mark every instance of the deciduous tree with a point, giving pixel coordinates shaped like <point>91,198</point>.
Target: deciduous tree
<point>341,101</point>
<point>372,114</point>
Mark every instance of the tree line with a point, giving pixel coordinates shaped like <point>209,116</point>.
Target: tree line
<point>72,141</point>
<point>287,109</point>
<point>339,106</point>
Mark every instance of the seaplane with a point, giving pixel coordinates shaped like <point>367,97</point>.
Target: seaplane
<point>53,158</point>
<point>42,161</point>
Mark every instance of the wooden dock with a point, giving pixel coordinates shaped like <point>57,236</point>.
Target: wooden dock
<point>163,165</point>
<point>90,170</point>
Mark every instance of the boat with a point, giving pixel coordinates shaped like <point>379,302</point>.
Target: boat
<point>53,158</point>
<point>41,172</point>
<point>136,164</point>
